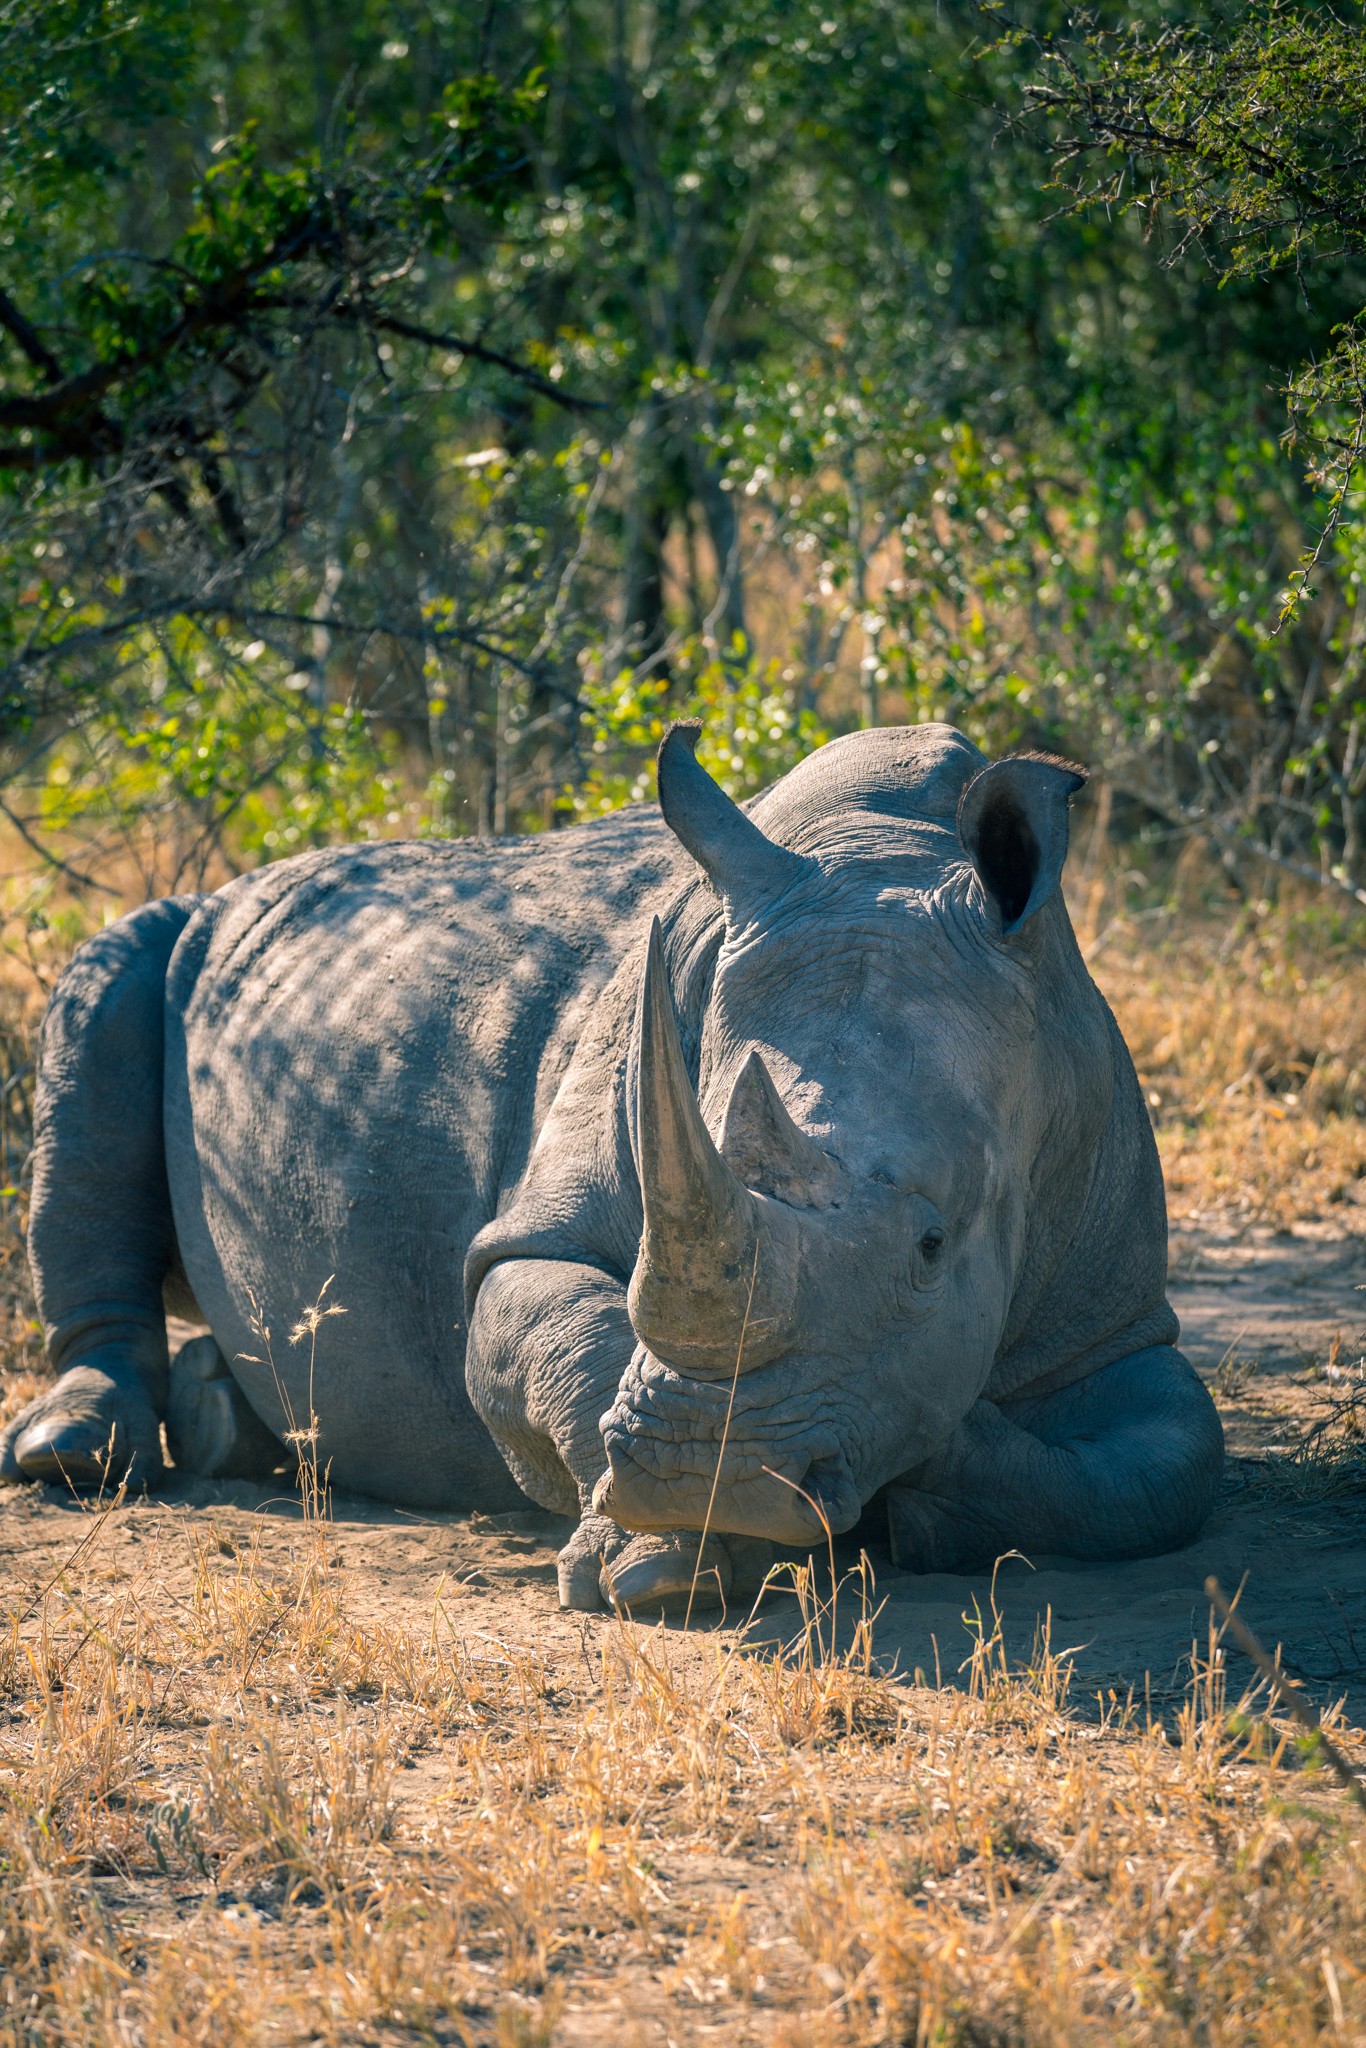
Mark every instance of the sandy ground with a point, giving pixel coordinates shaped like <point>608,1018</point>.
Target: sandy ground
<point>1274,1322</point>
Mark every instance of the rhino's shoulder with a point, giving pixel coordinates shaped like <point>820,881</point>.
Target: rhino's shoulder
<point>498,897</point>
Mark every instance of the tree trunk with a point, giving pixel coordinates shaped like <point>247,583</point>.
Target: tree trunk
<point>725,617</point>
<point>644,627</point>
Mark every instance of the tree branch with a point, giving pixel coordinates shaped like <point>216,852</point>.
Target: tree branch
<point>52,859</point>
<point>29,339</point>
<point>386,323</point>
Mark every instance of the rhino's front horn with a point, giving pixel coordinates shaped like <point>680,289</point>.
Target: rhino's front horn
<point>717,1263</point>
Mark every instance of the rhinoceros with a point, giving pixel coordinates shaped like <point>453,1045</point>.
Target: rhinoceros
<point>746,1170</point>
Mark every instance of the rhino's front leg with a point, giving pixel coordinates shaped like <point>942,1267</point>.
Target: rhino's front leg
<point>549,1343</point>
<point>1124,1464</point>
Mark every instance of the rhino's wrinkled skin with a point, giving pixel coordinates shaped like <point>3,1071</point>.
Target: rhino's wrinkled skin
<point>830,1154</point>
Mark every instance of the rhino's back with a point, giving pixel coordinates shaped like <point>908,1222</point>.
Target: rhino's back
<point>360,1045</point>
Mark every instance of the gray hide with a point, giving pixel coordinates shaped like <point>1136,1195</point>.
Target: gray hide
<point>832,1150</point>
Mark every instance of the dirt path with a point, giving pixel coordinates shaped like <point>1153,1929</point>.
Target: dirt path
<point>1273,1322</point>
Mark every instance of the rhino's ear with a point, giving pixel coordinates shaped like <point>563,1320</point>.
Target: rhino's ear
<point>747,870</point>
<point>1012,823</point>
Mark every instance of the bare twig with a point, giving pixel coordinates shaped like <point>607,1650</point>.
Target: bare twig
<point>52,859</point>
<point>1290,1695</point>
<point>387,323</point>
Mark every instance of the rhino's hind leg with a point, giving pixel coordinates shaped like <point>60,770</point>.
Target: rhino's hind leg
<point>1124,1464</point>
<point>212,1429</point>
<point>101,1240</point>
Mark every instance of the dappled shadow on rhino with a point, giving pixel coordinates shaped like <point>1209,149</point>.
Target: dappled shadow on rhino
<point>819,1176</point>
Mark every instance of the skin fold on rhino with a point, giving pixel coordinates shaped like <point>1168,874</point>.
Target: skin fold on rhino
<point>731,1171</point>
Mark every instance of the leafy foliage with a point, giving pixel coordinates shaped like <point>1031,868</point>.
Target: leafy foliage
<point>752,729</point>
<point>1250,140</point>
<point>222,755</point>
<point>405,411</point>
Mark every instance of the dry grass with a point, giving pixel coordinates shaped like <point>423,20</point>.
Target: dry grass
<point>1248,1029</point>
<point>203,1839</point>
<point>235,1810</point>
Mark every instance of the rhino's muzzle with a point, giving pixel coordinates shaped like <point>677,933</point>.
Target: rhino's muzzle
<point>683,1453</point>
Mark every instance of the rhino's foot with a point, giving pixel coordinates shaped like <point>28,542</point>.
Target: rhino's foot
<point>668,1574</point>
<point>87,1430</point>
<point>211,1427</point>
<point>604,1565</point>
<point>593,1545</point>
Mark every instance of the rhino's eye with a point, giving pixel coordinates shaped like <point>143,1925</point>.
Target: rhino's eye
<point>932,1243</point>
